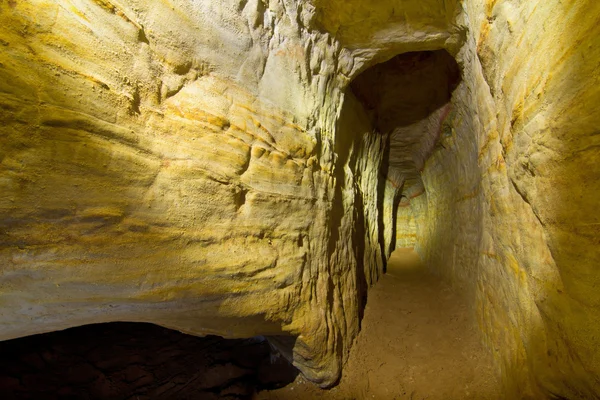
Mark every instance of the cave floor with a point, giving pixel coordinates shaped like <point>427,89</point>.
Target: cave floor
<point>418,341</point>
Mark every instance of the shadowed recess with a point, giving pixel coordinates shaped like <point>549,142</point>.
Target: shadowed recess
<point>138,361</point>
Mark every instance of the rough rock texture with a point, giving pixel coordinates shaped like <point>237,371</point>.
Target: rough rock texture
<point>407,97</point>
<point>205,166</point>
<point>178,163</point>
<point>510,208</point>
<point>406,226</point>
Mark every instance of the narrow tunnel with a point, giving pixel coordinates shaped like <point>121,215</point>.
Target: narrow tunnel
<point>387,200</point>
<point>406,100</point>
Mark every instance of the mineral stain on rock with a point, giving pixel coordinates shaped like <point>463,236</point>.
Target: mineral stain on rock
<point>160,160</point>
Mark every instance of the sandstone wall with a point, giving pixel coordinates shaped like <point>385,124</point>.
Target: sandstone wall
<point>511,199</point>
<point>204,166</point>
<point>406,229</point>
<point>180,163</point>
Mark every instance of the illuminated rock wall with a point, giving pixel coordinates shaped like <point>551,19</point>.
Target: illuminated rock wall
<point>204,166</point>
<point>173,162</point>
<point>511,196</point>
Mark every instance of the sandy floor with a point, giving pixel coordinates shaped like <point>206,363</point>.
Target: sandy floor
<point>418,341</point>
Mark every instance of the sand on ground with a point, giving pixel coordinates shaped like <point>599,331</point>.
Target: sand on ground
<point>418,341</point>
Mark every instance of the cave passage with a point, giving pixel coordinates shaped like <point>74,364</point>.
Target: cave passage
<point>408,98</point>
<point>245,168</point>
<point>418,341</point>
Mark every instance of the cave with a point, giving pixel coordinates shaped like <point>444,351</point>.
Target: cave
<point>282,199</point>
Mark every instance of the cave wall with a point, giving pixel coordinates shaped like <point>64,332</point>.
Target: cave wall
<point>178,163</point>
<point>510,214</point>
<point>406,227</point>
<point>203,166</point>
<point>197,165</point>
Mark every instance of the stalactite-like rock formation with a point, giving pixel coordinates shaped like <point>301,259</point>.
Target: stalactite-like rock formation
<point>215,167</point>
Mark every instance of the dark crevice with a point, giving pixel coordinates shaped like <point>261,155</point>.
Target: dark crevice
<point>138,361</point>
<point>358,238</point>
<point>136,102</point>
<point>381,199</point>
<point>240,197</point>
<point>396,204</point>
<point>142,38</point>
<point>407,99</point>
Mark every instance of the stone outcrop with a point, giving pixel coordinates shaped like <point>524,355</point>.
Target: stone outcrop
<point>212,167</point>
<point>178,163</point>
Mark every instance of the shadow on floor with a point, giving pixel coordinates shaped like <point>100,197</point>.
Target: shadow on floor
<point>419,341</point>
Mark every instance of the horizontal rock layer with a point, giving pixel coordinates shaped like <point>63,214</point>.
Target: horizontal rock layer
<point>207,166</point>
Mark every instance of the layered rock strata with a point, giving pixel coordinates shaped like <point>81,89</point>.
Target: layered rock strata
<point>179,163</point>
<point>207,166</point>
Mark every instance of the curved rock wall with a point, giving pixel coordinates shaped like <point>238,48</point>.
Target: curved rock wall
<point>174,163</point>
<point>204,166</point>
<point>511,193</point>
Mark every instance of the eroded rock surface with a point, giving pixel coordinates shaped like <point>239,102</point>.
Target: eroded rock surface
<point>509,209</point>
<point>173,163</point>
<point>205,166</point>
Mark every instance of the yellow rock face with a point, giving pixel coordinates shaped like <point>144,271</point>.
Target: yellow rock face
<point>511,199</point>
<point>203,165</point>
<point>173,163</point>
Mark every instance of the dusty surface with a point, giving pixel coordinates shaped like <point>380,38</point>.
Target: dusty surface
<point>417,341</point>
